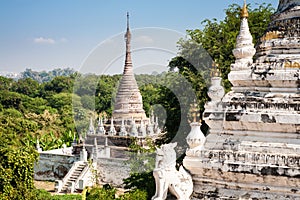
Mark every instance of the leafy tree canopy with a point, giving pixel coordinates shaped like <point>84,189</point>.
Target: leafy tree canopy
<point>218,38</point>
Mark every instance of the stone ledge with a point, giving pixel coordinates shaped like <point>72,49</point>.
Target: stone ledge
<point>235,185</point>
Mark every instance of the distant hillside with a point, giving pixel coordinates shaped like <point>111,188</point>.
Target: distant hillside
<point>44,76</point>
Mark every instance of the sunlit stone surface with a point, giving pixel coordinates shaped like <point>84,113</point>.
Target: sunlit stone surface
<point>253,147</point>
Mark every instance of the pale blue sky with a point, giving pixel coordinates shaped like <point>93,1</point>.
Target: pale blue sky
<point>47,34</point>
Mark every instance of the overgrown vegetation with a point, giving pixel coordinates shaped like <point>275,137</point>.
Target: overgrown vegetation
<point>108,193</point>
<point>44,195</point>
<point>141,162</point>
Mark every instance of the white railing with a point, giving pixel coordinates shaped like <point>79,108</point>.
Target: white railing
<point>61,183</point>
<point>82,176</point>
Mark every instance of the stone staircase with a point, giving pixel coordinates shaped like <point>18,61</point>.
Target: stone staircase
<point>70,182</point>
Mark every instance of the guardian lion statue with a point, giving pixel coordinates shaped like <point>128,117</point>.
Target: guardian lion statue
<point>167,177</point>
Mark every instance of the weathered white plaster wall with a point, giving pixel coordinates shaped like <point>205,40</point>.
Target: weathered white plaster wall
<point>51,167</point>
<point>112,171</point>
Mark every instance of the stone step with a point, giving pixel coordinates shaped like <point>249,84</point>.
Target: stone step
<point>79,171</point>
<point>76,173</point>
<point>73,177</point>
<point>64,189</point>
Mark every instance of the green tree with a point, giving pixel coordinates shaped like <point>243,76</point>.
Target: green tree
<point>150,94</point>
<point>106,192</point>
<point>134,194</point>
<point>105,93</point>
<point>5,83</point>
<point>141,162</point>
<point>214,42</point>
<point>26,86</point>
<point>16,167</point>
<point>88,102</point>
<point>11,99</point>
<point>218,38</point>
<point>60,100</point>
<point>60,84</point>
<point>86,84</point>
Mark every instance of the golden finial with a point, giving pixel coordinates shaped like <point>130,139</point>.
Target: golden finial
<point>194,111</point>
<point>244,12</point>
<point>214,71</point>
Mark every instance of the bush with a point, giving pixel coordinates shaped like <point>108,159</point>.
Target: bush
<point>106,193</point>
<point>135,194</point>
<point>67,197</point>
<point>141,182</point>
<point>42,195</point>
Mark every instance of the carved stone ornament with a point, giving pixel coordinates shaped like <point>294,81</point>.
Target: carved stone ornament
<point>196,138</point>
<point>179,183</point>
<point>244,50</point>
<point>216,91</point>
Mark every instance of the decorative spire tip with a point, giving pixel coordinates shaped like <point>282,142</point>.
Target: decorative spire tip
<point>244,12</point>
<point>127,19</point>
<point>215,70</point>
<point>194,111</point>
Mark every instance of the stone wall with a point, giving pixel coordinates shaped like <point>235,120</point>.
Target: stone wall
<point>51,167</point>
<point>214,184</point>
<point>112,171</point>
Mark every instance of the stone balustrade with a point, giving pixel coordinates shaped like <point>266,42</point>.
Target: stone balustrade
<point>242,104</point>
<point>257,158</point>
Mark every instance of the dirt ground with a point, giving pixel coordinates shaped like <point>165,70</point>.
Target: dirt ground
<point>49,186</point>
<point>46,185</point>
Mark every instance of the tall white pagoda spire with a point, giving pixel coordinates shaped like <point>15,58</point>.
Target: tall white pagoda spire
<point>129,101</point>
<point>244,50</point>
<point>128,61</point>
